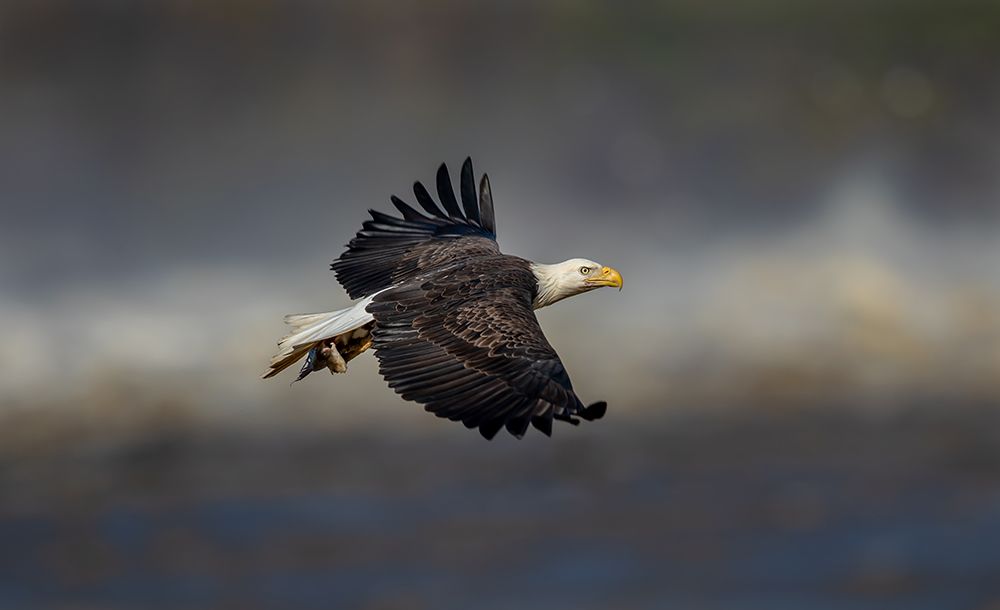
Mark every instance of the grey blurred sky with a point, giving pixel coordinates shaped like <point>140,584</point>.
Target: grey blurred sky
<point>803,197</point>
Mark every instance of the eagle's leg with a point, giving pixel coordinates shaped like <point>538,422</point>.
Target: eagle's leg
<point>334,361</point>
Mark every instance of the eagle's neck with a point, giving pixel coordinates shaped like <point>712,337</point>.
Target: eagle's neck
<point>551,286</point>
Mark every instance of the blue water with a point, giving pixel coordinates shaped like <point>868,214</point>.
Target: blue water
<point>653,522</point>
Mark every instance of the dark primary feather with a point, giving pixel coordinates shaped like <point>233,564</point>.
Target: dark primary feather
<point>388,250</point>
<point>467,186</point>
<point>446,193</point>
<point>464,342</point>
<point>486,205</point>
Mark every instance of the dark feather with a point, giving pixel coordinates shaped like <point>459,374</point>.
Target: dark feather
<point>408,212</point>
<point>543,423</point>
<point>490,428</point>
<point>467,185</point>
<point>594,411</point>
<point>447,194</point>
<point>518,426</point>
<point>426,201</point>
<point>486,205</point>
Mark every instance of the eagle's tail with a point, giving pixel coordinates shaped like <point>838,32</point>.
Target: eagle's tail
<point>311,330</point>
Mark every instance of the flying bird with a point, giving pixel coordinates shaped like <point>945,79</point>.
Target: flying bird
<point>450,317</point>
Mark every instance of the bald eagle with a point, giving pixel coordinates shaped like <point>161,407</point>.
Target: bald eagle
<point>450,317</point>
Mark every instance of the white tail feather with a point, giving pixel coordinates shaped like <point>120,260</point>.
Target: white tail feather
<point>309,328</point>
<point>298,321</point>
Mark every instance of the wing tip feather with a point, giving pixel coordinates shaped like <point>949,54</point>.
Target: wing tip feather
<point>489,429</point>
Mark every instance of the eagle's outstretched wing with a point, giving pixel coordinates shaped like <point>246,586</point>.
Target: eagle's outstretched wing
<point>389,250</point>
<point>465,343</point>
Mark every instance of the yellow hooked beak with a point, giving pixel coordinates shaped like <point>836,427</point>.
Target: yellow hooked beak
<point>607,277</point>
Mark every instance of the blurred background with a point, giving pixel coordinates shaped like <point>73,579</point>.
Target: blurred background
<point>803,369</point>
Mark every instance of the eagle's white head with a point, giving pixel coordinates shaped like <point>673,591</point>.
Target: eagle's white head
<point>565,279</point>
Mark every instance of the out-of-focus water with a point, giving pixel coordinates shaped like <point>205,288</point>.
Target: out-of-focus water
<point>722,511</point>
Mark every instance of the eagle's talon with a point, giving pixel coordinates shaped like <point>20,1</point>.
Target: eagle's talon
<point>334,361</point>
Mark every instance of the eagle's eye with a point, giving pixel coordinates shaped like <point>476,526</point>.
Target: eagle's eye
<point>584,270</point>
